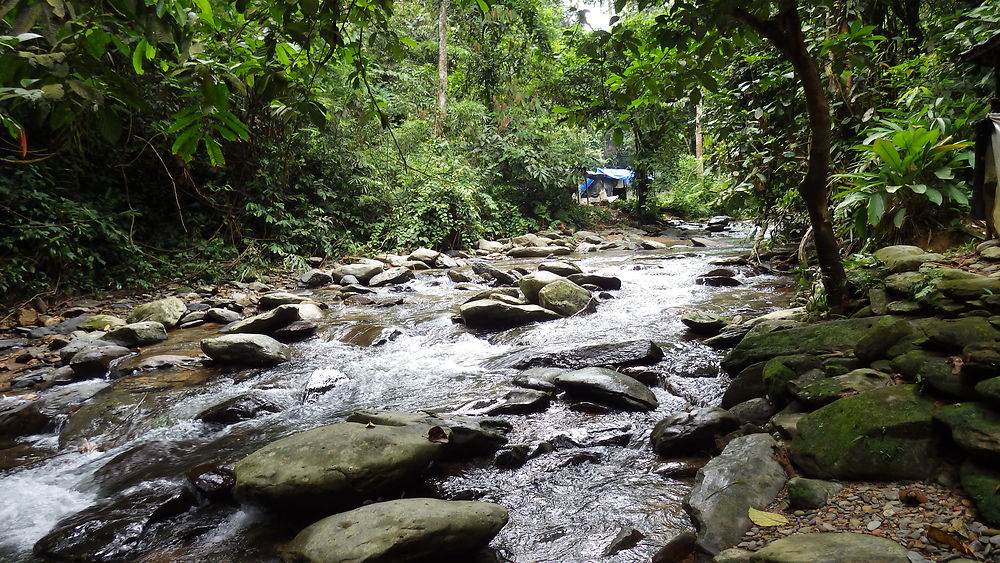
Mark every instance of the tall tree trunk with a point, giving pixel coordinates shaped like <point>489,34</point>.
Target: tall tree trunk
<point>699,140</point>
<point>442,93</point>
<point>785,32</point>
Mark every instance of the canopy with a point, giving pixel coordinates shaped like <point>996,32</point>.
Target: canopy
<point>623,174</point>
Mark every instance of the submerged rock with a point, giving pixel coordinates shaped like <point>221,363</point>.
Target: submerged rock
<point>745,475</point>
<point>400,531</point>
<point>608,386</point>
<point>607,283</point>
<point>239,408</point>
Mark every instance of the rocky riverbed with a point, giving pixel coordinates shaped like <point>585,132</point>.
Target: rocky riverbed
<point>555,396</point>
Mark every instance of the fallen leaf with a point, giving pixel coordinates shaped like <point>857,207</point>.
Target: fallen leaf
<point>762,518</point>
<point>437,435</point>
<point>912,496</point>
<point>941,536</point>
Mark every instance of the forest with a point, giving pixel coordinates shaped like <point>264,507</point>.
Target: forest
<point>161,140</point>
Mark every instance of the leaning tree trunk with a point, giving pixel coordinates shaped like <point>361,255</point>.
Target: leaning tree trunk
<point>442,93</point>
<point>785,32</point>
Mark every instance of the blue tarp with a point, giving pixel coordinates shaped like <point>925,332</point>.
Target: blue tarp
<point>623,174</point>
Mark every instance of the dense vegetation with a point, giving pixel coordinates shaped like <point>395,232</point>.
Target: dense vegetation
<point>147,140</point>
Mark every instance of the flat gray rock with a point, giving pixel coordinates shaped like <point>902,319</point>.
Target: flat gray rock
<point>496,315</point>
<point>608,386</point>
<point>246,349</point>
<point>400,531</point>
<point>831,547</point>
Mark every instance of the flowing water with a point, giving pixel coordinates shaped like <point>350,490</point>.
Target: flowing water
<point>566,505</point>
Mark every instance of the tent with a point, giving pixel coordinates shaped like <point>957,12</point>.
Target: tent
<point>606,183</point>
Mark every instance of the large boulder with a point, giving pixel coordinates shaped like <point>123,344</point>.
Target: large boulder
<point>608,386</point>
<point>165,311</point>
<point>274,299</point>
<point>566,298</point>
<point>137,334</point>
<point>981,482</point>
<point>826,391</point>
<point>491,314</point>
<point>903,258</point>
<point>830,336</point>
<point>703,322</point>
<point>687,433</point>
<point>315,278</point>
<point>974,427</point>
<point>969,288</point>
<point>246,349</point>
<point>745,475</point>
<point>883,435</point>
<point>467,436</point>
<point>363,272</point>
<point>267,322</point>
<point>101,322</point>
<point>239,408</point>
<point>532,283</point>
<point>559,267</point>
<point>489,272</point>
<point>392,276</point>
<point>620,354</point>
<point>831,547</point>
<point>425,255</point>
<point>95,361</point>
<point>538,251</point>
<point>413,530</point>
<point>335,467</point>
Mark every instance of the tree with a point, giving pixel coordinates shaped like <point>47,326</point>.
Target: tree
<point>442,93</point>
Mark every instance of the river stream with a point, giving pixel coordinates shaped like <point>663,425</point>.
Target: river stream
<point>566,505</point>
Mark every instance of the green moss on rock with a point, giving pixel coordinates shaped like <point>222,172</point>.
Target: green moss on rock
<point>981,483</point>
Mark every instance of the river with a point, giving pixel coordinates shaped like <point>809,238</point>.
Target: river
<point>567,505</point>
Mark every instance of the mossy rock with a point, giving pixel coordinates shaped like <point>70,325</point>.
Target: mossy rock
<point>828,390</point>
<point>982,361</point>
<point>885,434</point>
<point>935,371</point>
<point>818,338</point>
<point>780,372</point>
<point>906,283</point>
<point>875,344</point>
<point>952,335</point>
<point>811,493</point>
<point>904,258</point>
<point>988,390</point>
<point>981,483</point>
<point>969,288</point>
<point>749,384</point>
<point>974,427</point>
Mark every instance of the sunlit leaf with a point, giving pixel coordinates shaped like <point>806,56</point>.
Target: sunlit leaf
<point>767,519</point>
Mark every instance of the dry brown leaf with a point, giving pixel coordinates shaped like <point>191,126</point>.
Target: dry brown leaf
<point>943,536</point>
<point>437,435</point>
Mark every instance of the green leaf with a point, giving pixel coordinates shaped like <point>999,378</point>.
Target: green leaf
<point>945,173</point>
<point>186,142</point>
<point>887,152</point>
<point>898,218</point>
<point>137,55</point>
<point>206,11</point>
<point>214,150</point>
<point>876,209</point>
<point>935,196</point>
<point>918,188</point>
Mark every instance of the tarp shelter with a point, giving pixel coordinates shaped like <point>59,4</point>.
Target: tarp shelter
<point>606,183</point>
<point>986,172</point>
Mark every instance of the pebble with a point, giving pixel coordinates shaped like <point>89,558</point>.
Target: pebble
<point>873,525</point>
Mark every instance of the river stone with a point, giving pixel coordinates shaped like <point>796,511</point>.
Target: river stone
<point>246,349</point>
<point>540,379</point>
<point>400,531</point>
<point>538,251</point>
<point>881,338</point>
<point>952,335</point>
<point>566,298</point>
<point>165,311</point>
<point>532,283</point>
<point>490,245</point>
<point>392,276</point>
<point>883,435</point>
<point>818,338</point>
<point>703,322</point>
<point>988,391</point>
<point>489,272</point>
<point>749,384</point>
<point>212,481</point>
<point>272,300</point>
<point>982,361</point>
<point>903,258</point>
<point>781,375</point>
<point>137,334</point>
<point>744,475</point>
<point>335,467</point>
<point>221,316</point>
<point>22,419</point>
<point>969,288</point>
<point>607,283</point>
<point>101,322</point>
<point>467,436</point>
<point>363,272</point>
<point>239,408</point>
<point>425,255</point>
<point>67,352</point>
<point>560,268</point>
<point>621,354</point>
<point>981,482</point>
<point>934,370</point>
<point>826,391</point>
<point>522,401</point>
<point>718,281</point>
<point>315,278</point>
<point>490,314</point>
<point>113,529</point>
<point>265,323</point>
<point>94,361</point>
<point>831,547</point>
<point>729,337</point>
<point>608,386</point>
<point>974,427</point>
<point>810,493</point>
<point>754,411</point>
<point>688,433</point>
<point>299,330</point>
